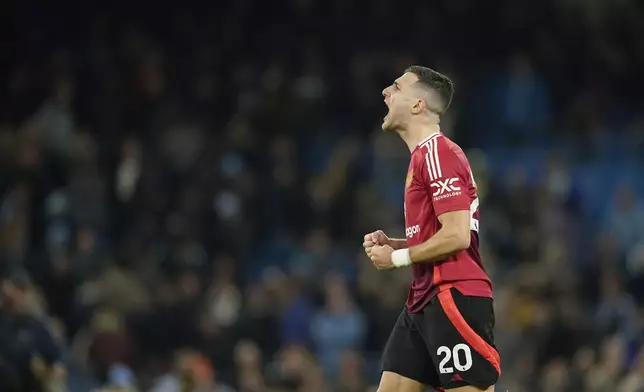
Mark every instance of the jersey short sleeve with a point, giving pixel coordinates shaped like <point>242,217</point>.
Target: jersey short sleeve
<point>447,177</point>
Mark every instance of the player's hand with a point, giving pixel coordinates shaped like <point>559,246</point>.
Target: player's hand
<point>380,238</point>
<point>368,244</point>
<point>376,238</point>
<point>381,256</point>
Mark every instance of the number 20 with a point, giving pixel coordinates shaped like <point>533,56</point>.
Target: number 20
<point>454,353</point>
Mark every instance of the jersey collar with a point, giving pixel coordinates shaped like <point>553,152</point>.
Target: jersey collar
<point>428,138</point>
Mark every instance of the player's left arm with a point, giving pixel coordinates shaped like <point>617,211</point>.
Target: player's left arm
<point>453,237</point>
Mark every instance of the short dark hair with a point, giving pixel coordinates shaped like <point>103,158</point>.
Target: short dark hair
<point>436,81</point>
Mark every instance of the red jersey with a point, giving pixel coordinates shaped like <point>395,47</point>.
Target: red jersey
<point>440,180</point>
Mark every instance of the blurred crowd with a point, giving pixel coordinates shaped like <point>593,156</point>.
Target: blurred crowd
<point>185,188</point>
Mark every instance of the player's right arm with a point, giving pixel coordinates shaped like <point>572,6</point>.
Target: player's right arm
<point>449,179</point>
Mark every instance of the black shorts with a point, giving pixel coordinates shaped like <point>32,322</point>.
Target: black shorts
<point>449,344</point>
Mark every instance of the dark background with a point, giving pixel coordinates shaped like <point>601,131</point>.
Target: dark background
<point>189,183</point>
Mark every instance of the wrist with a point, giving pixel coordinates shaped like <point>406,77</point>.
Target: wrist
<point>395,244</point>
<point>400,258</point>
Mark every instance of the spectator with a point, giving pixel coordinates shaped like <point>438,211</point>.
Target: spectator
<point>606,372</point>
<point>104,344</point>
<point>297,316</point>
<point>339,327</point>
<point>120,378</point>
<point>250,369</point>
<point>626,219</point>
<point>351,373</point>
<point>616,309</point>
<point>192,372</point>
<point>524,100</point>
<point>30,357</point>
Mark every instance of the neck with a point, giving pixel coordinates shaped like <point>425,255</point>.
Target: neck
<point>414,135</point>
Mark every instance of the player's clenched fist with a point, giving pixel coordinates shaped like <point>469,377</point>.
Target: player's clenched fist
<point>376,238</point>
<point>381,257</point>
<point>368,244</point>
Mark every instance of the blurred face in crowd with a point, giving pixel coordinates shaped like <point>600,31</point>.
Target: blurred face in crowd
<point>14,296</point>
<point>403,101</point>
<point>293,360</point>
<point>105,321</point>
<point>247,355</point>
<point>63,91</point>
<point>194,369</point>
<point>336,294</point>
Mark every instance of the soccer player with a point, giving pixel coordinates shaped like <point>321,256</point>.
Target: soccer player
<point>443,338</point>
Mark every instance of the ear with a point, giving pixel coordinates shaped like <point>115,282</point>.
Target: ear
<point>419,106</point>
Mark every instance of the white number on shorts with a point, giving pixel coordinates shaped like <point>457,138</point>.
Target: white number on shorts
<point>447,354</point>
<point>443,350</point>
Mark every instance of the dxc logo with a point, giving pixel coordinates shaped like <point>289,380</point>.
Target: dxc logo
<point>445,186</point>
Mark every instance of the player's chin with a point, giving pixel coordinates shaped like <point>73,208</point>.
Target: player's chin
<point>386,124</point>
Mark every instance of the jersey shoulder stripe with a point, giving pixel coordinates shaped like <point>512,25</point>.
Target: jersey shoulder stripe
<point>432,158</point>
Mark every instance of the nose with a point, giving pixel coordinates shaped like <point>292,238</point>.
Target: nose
<point>385,92</point>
